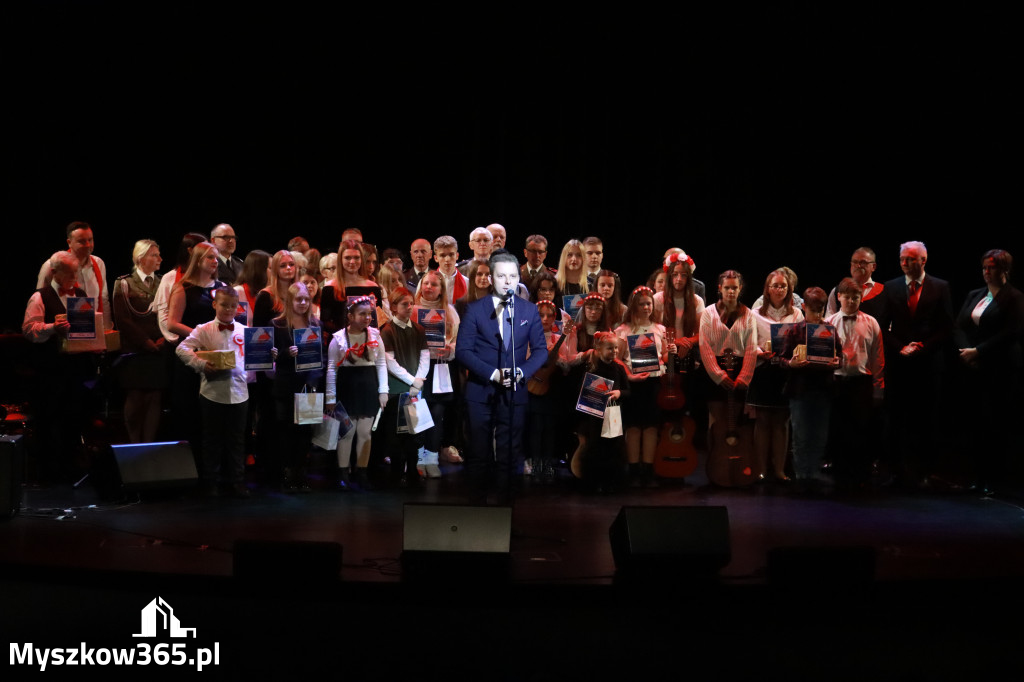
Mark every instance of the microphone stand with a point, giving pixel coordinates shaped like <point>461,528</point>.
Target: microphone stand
<point>510,308</point>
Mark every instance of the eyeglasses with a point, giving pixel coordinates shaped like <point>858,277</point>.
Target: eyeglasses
<point>862,263</point>
<point>537,252</point>
<point>226,237</point>
<point>778,286</point>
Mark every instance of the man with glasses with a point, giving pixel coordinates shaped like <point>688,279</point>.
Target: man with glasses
<point>536,251</point>
<point>481,242</point>
<point>872,302</point>
<point>230,266</point>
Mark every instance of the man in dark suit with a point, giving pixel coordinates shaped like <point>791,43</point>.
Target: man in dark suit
<point>420,252</point>
<point>536,251</point>
<point>918,327</point>
<point>229,266</point>
<point>496,335</point>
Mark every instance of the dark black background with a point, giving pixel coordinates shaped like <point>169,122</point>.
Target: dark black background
<point>789,133</point>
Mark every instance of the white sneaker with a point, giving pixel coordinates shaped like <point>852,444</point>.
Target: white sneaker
<point>428,461</point>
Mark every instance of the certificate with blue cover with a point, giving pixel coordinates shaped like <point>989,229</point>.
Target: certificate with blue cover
<point>572,304</point>
<point>643,353</point>
<point>786,336</point>
<point>81,317</point>
<point>821,343</point>
<point>594,395</point>
<point>310,343</point>
<point>257,350</point>
<point>433,323</point>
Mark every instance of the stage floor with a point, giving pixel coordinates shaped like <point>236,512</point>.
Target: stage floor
<point>560,535</point>
<point>946,566</point>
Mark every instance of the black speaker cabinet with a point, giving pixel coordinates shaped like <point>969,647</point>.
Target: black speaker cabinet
<point>472,541</point>
<point>12,473</point>
<point>151,466</point>
<point>670,540</point>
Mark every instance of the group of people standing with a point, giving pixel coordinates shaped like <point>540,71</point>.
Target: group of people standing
<point>503,379</point>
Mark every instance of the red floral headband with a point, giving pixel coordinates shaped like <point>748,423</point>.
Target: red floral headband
<point>677,258</point>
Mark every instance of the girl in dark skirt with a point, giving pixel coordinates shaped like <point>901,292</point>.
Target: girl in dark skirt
<point>600,464</point>
<point>640,415</point>
<point>293,439</point>
<point>357,377</point>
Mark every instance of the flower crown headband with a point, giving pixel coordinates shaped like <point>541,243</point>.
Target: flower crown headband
<point>676,258</point>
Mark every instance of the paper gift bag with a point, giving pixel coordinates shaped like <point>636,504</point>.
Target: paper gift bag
<point>309,407</point>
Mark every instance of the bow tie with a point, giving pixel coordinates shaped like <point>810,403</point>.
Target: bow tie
<point>849,317</point>
<point>67,292</point>
<point>225,327</point>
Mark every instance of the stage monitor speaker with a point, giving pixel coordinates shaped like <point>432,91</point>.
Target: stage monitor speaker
<point>287,563</point>
<point>12,473</point>
<point>670,541</point>
<point>472,542</point>
<point>151,466</point>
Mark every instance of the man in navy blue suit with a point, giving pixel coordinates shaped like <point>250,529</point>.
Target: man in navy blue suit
<point>918,332</point>
<point>501,343</point>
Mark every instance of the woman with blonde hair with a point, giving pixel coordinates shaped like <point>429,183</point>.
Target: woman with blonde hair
<point>570,277</point>
<point>431,294</point>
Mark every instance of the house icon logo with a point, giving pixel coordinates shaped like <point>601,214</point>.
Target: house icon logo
<point>158,620</point>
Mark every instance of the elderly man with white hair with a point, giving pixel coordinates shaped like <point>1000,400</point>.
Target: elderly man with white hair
<point>918,332</point>
<point>481,242</point>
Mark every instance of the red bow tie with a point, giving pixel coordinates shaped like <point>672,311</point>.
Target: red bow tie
<point>67,292</point>
<point>225,327</point>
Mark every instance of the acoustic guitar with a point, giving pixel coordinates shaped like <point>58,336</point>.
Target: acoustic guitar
<point>540,382</point>
<point>670,395</point>
<point>731,460</point>
<point>675,456</point>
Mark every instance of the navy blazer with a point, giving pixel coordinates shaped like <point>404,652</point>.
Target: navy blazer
<point>931,324</point>
<point>481,350</point>
<point>998,334</point>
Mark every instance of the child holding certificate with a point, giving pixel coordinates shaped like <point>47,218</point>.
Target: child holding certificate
<point>441,324</point>
<point>294,373</point>
<point>642,346</point>
<point>600,459</point>
<point>223,395</point>
<point>357,377</point>
<point>809,389</point>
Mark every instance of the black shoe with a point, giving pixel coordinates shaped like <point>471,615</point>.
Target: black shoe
<point>363,480</point>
